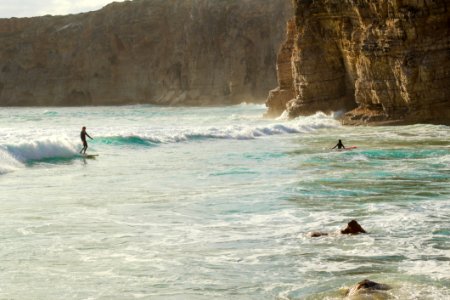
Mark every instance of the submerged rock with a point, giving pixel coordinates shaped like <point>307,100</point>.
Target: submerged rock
<point>317,234</point>
<point>353,227</point>
<point>367,287</point>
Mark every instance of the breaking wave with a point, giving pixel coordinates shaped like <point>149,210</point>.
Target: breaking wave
<point>235,132</point>
<point>15,155</point>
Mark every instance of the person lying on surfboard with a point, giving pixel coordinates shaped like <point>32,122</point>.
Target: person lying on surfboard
<point>83,135</point>
<point>339,145</point>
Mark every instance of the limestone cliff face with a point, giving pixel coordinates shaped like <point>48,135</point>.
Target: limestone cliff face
<point>385,61</point>
<point>169,52</point>
<point>279,97</point>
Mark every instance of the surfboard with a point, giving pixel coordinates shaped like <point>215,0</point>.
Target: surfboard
<point>90,156</point>
<point>347,148</point>
<point>350,148</point>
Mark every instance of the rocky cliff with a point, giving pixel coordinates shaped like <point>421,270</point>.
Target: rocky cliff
<point>169,52</point>
<point>383,62</point>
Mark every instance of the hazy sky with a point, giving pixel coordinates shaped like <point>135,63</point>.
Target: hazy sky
<point>30,8</point>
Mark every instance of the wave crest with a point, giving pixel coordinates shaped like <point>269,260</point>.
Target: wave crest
<point>236,132</point>
<point>40,149</point>
<point>13,156</point>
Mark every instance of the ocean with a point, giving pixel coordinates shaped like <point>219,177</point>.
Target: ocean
<point>216,203</point>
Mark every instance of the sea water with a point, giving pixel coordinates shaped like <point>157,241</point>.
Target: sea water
<point>216,203</point>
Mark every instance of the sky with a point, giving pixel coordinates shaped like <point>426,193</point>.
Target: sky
<point>31,8</point>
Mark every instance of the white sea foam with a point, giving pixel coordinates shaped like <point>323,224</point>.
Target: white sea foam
<point>359,158</point>
<point>284,116</point>
<point>252,105</point>
<point>51,147</point>
<point>239,131</point>
<point>7,162</point>
<point>445,159</point>
<point>159,211</point>
<point>22,148</point>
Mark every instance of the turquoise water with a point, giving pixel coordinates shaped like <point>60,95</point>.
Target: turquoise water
<point>216,203</point>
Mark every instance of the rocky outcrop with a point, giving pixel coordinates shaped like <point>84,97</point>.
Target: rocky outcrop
<point>368,287</point>
<point>279,97</point>
<point>352,227</point>
<point>383,62</point>
<point>187,52</point>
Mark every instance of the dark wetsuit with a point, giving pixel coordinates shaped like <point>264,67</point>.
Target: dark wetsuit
<point>83,135</point>
<point>339,145</point>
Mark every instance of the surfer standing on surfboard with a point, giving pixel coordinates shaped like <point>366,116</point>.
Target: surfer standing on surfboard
<point>339,145</point>
<point>83,135</point>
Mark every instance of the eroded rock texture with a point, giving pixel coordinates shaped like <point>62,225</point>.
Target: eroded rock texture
<point>384,61</point>
<point>184,52</point>
<point>278,98</point>
<point>368,287</point>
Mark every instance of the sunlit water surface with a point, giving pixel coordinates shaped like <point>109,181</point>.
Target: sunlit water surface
<point>216,203</point>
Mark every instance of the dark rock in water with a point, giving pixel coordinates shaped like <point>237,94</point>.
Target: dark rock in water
<point>317,234</point>
<point>353,227</point>
<point>367,286</point>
